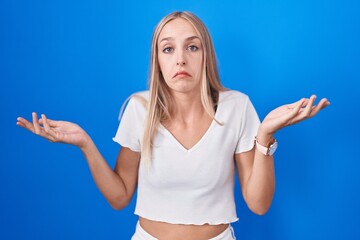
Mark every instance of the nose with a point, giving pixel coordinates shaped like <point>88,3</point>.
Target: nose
<point>180,63</point>
<point>181,58</point>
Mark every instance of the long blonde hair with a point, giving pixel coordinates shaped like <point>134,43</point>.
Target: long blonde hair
<point>160,105</point>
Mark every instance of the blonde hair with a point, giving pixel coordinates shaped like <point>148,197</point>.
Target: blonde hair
<point>160,105</point>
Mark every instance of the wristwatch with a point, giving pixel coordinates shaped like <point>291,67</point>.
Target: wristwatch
<point>268,151</point>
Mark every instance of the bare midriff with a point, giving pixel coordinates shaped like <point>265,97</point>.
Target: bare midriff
<point>163,230</point>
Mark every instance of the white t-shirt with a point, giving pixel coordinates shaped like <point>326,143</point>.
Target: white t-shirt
<point>196,185</point>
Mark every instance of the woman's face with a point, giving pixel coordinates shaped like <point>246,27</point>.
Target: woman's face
<point>180,56</point>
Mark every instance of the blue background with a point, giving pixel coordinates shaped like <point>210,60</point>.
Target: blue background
<point>79,60</point>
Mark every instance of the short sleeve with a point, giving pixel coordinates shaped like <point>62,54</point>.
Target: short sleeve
<point>249,126</point>
<point>131,126</point>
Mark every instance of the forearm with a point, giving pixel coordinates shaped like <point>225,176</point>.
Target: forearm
<point>261,183</point>
<point>109,183</point>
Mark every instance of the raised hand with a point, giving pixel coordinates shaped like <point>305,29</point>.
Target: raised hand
<point>55,131</point>
<point>293,113</point>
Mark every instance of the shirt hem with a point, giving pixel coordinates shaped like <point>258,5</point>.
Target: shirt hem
<point>179,221</point>
<point>245,148</point>
<point>134,149</point>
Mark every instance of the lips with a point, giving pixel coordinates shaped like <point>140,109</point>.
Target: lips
<point>182,74</point>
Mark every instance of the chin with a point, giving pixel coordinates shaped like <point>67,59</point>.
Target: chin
<point>185,87</point>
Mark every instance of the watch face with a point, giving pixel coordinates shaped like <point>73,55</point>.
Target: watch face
<point>273,148</point>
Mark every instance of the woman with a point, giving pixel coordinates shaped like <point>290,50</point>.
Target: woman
<point>182,141</point>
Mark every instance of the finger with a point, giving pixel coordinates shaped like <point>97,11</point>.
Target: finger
<point>297,106</point>
<point>321,105</point>
<point>50,122</point>
<point>309,107</point>
<point>22,122</point>
<point>313,110</point>
<point>36,124</point>
<point>51,134</point>
<point>53,123</point>
<point>45,123</point>
<point>302,102</point>
<point>324,103</point>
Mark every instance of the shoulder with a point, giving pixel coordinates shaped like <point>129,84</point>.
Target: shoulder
<point>236,108</point>
<point>140,96</point>
<point>135,104</point>
<point>143,94</point>
<point>138,99</point>
<point>233,96</point>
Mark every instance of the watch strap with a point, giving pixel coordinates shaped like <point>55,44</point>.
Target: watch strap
<point>265,150</point>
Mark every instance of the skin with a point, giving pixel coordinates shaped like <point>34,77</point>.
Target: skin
<point>180,49</point>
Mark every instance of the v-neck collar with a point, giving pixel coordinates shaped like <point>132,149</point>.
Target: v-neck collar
<point>202,139</point>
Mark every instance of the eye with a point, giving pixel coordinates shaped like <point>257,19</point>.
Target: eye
<point>192,48</point>
<point>168,50</point>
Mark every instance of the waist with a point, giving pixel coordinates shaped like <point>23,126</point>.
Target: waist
<point>163,230</point>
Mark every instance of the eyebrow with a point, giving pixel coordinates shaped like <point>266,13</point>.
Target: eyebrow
<point>171,38</point>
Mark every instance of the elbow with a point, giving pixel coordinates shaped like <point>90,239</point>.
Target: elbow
<point>119,203</point>
<point>259,207</point>
<point>261,211</point>
<point>116,206</point>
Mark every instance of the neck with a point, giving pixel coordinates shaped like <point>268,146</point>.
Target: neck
<point>188,107</point>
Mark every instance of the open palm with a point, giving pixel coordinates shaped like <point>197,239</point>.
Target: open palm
<point>293,113</point>
<point>55,131</point>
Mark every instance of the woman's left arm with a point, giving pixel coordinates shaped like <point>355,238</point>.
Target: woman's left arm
<point>255,169</point>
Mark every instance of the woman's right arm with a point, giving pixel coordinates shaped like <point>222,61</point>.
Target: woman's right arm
<point>118,185</point>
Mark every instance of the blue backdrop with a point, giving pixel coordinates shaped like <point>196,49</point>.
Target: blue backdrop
<point>79,60</point>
